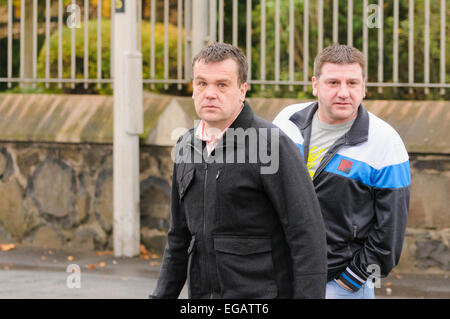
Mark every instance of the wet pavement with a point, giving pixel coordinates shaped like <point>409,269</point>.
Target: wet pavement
<point>29,273</point>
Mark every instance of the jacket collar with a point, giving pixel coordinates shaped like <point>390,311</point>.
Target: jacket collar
<point>245,118</point>
<point>303,118</point>
<point>358,133</point>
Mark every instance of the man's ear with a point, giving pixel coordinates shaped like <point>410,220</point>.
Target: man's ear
<point>243,89</point>
<point>314,85</point>
<point>364,90</point>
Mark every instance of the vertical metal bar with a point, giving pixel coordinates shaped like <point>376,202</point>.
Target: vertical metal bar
<point>249,41</point>
<point>111,42</point>
<point>277,43</point>
<point>213,21</point>
<point>380,46</point>
<point>187,45</point>
<point>99,41</point>
<point>139,24</point>
<point>10,22</point>
<point>179,39</point>
<point>335,21</point>
<point>72,55</point>
<point>235,22</point>
<point>411,45</point>
<point>47,41</point>
<point>305,42</point>
<point>350,23</point>
<point>166,42</point>
<point>22,40</point>
<point>442,91</point>
<point>152,41</point>
<point>263,43</point>
<point>34,59</point>
<point>427,45</point>
<point>395,53</point>
<point>366,39</point>
<point>60,21</point>
<point>221,4</point>
<point>291,43</point>
<point>86,43</point>
<point>320,27</point>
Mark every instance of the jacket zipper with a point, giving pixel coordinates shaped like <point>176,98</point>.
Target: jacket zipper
<point>355,228</point>
<point>324,164</point>
<point>322,167</point>
<point>204,233</point>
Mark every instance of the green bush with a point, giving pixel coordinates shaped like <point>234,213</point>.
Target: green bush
<point>106,52</point>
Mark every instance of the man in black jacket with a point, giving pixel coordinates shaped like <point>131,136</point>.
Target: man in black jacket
<point>245,221</point>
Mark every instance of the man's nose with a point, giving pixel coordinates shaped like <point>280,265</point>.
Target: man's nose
<point>210,92</point>
<point>343,91</point>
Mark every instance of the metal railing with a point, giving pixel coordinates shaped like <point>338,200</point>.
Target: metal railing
<point>286,60</point>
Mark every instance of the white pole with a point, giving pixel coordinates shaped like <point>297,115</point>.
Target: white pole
<point>127,125</point>
<point>200,24</point>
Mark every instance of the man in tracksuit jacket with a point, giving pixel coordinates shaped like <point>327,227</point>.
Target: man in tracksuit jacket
<point>360,170</point>
<point>245,220</point>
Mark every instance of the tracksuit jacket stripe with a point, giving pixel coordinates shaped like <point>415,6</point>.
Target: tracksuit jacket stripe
<point>392,176</point>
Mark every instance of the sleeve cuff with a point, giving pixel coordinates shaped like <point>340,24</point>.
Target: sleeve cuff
<point>351,279</point>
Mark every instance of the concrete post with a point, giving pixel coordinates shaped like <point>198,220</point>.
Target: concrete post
<point>200,25</point>
<point>128,123</point>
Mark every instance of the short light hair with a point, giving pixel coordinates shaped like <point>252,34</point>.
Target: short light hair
<point>339,54</point>
<point>218,52</point>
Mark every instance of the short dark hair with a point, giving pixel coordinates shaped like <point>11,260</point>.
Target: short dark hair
<point>339,54</point>
<point>218,52</point>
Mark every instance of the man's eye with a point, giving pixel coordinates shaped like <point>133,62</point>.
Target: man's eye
<point>202,83</point>
<point>222,85</point>
<point>332,82</point>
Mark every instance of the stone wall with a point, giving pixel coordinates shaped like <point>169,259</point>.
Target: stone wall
<point>56,170</point>
<point>427,241</point>
<point>57,195</point>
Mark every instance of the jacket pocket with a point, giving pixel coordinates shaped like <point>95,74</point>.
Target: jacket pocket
<point>245,267</point>
<point>185,181</point>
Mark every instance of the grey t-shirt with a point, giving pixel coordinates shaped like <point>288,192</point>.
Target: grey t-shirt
<point>323,136</point>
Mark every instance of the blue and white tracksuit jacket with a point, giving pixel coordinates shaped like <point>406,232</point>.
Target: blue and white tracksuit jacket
<point>363,186</point>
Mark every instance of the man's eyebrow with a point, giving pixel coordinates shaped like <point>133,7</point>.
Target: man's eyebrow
<point>200,78</point>
<point>336,79</point>
<point>223,80</point>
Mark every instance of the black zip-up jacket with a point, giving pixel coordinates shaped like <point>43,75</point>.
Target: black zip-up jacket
<point>238,231</point>
<point>363,186</point>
